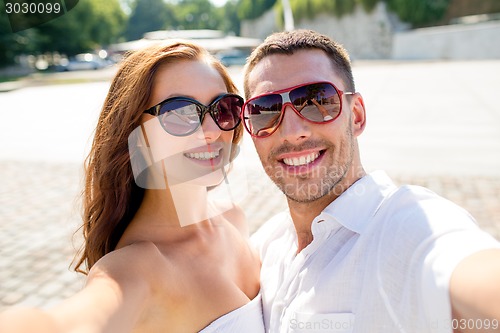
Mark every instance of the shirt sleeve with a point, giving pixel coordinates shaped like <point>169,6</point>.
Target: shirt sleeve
<point>456,238</point>
<point>422,242</point>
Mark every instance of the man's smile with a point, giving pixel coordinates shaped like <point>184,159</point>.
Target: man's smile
<point>301,160</point>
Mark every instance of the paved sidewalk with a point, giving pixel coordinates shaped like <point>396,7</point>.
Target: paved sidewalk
<point>37,220</point>
<point>458,158</point>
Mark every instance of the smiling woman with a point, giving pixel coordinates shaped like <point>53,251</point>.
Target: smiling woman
<point>148,214</point>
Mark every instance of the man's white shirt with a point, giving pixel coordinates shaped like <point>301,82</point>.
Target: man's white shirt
<point>380,261</point>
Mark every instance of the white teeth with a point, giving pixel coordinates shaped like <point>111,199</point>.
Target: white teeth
<point>303,160</point>
<point>203,155</point>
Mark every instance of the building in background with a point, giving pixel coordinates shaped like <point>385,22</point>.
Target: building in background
<point>231,50</point>
<point>467,30</point>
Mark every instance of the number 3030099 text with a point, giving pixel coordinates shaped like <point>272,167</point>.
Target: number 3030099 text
<point>32,8</point>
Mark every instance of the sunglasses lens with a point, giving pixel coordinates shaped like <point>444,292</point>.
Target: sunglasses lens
<point>262,114</point>
<point>318,102</point>
<point>179,117</point>
<point>227,112</point>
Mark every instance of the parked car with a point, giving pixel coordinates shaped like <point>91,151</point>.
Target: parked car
<point>232,57</point>
<point>84,61</point>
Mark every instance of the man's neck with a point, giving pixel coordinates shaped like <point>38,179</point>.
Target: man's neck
<point>302,216</point>
<point>303,213</point>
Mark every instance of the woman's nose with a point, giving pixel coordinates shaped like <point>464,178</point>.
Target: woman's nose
<point>210,132</point>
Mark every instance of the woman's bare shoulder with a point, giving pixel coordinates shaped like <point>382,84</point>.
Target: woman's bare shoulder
<point>139,261</point>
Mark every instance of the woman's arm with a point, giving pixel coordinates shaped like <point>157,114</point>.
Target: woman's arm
<point>20,320</point>
<point>117,290</point>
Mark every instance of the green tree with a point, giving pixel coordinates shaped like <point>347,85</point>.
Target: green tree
<point>369,5</point>
<point>252,9</point>
<point>13,44</point>
<point>310,8</point>
<point>419,12</point>
<point>416,12</point>
<point>108,21</point>
<point>91,24</point>
<point>198,14</point>
<point>343,7</point>
<point>149,15</point>
<point>230,21</point>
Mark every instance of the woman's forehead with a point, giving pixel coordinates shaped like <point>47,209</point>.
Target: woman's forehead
<point>191,78</point>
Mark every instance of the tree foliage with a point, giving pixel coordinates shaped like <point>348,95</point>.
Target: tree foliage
<point>419,12</point>
<point>416,12</point>
<point>197,14</point>
<point>91,24</point>
<point>151,15</point>
<point>97,23</point>
<point>12,45</point>
<point>230,20</point>
<point>251,9</point>
<point>148,15</point>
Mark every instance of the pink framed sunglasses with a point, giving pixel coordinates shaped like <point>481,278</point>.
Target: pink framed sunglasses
<point>317,102</point>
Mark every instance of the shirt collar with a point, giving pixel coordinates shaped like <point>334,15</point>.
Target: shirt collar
<point>357,205</point>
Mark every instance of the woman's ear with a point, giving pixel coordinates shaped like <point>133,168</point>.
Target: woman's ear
<point>359,114</point>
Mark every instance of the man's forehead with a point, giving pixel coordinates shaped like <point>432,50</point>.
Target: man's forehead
<point>279,71</point>
<point>259,76</point>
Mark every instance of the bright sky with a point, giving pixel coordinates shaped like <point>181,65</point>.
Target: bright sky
<point>218,2</point>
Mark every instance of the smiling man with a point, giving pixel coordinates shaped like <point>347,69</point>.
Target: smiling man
<point>355,253</point>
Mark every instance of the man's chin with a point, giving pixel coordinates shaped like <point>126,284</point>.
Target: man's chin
<point>302,193</point>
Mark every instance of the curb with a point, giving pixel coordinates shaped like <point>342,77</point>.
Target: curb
<point>12,85</point>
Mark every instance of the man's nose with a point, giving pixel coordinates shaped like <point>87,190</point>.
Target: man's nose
<point>293,128</point>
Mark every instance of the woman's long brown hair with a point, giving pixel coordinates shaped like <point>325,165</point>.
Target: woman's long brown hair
<point>110,196</point>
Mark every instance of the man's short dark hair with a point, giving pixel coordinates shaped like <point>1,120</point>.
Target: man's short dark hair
<point>288,42</point>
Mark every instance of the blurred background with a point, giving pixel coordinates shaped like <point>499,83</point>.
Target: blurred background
<point>428,71</point>
<point>96,33</point>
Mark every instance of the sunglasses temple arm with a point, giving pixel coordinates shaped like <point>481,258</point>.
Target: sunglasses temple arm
<point>225,175</point>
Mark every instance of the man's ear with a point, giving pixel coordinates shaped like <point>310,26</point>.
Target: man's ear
<point>359,114</point>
